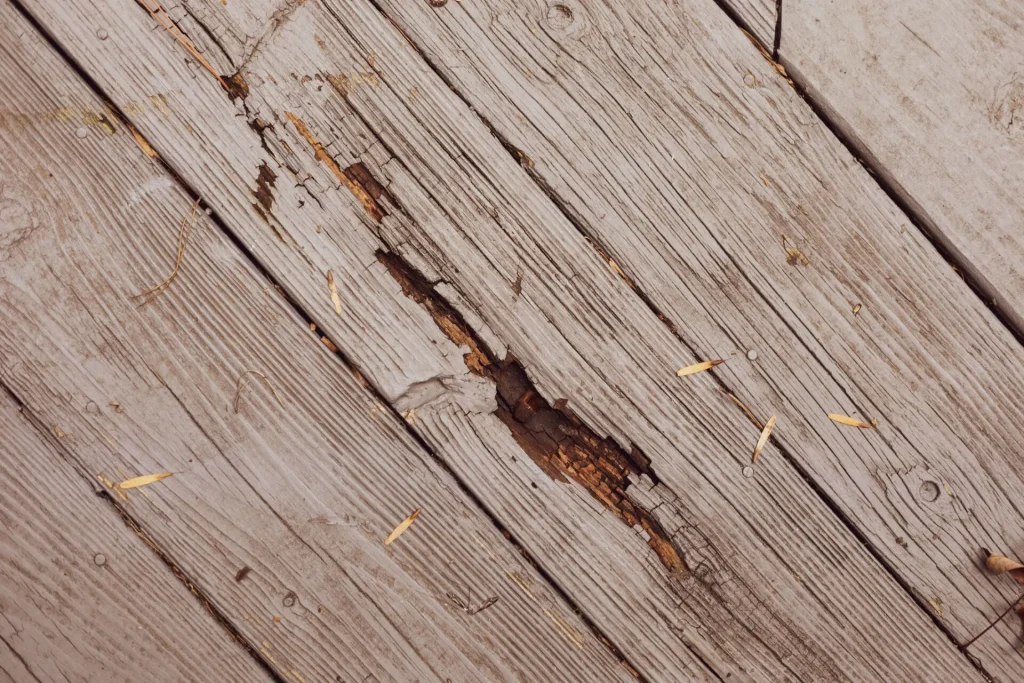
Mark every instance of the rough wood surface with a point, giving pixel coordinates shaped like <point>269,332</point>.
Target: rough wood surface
<point>933,94</point>
<point>296,478</point>
<point>774,554</point>
<point>81,596</point>
<point>759,17</point>
<point>677,148</point>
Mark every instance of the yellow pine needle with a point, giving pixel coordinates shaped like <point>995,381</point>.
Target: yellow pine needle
<point>765,433</point>
<point>850,421</point>
<point>144,480</point>
<point>697,367</point>
<point>400,529</point>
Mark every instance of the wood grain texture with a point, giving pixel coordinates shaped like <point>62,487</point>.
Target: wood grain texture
<point>933,94</point>
<point>81,596</point>
<point>759,17</point>
<point>302,490</point>
<point>682,153</point>
<point>474,213</point>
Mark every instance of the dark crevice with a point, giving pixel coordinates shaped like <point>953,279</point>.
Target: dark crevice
<point>777,42</point>
<point>17,655</point>
<point>263,271</point>
<point>889,188</point>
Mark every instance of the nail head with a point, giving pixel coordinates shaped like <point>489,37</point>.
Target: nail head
<point>99,559</point>
<point>82,132</point>
<point>751,354</point>
<point>102,34</point>
<point>748,471</point>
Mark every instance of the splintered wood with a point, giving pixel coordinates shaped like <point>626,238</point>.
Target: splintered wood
<point>402,527</point>
<point>335,299</point>
<point>162,18</point>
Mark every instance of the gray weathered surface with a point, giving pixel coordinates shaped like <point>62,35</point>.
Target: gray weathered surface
<point>303,492</point>
<point>81,596</point>
<point>934,93</point>
<point>682,152</point>
<point>776,556</point>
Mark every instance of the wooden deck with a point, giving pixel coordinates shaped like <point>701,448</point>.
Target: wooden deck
<point>336,264</point>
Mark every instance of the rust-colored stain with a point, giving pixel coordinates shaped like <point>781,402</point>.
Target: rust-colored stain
<point>236,86</point>
<point>361,193</point>
<point>552,436</point>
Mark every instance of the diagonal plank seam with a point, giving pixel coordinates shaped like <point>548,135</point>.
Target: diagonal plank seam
<point>116,112</point>
<point>133,525</point>
<point>605,254</point>
<point>915,213</point>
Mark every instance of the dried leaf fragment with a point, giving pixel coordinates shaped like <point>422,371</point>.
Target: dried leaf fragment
<point>335,299</point>
<point>402,526</point>
<point>765,433</point>
<point>1000,564</point>
<point>697,367</point>
<point>852,421</point>
<point>144,480</point>
<point>795,257</point>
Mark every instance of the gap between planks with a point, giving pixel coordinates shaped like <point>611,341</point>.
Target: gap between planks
<point>915,213</point>
<point>375,391</point>
<point>132,524</point>
<point>879,177</point>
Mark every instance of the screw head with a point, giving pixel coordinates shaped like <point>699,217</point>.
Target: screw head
<point>748,471</point>
<point>102,34</point>
<point>99,559</point>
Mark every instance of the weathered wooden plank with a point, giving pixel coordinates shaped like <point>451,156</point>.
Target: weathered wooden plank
<point>81,596</point>
<point>457,161</point>
<point>758,16</point>
<point>933,94</point>
<point>699,183</point>
<point>296,478</point>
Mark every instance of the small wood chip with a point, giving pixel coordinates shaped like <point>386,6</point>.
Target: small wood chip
<point>765,433</point>
<point>400,529</point>
<point>329,344</point>
<point>1000,564</point>
<point>795,257</point>
<point>852,421</point>
<point>697,367</point>
<point>856,309</point>
<point>335,299</point>
<point>144,480</point>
